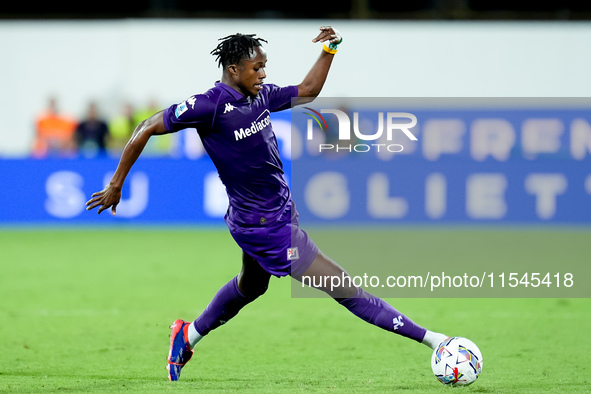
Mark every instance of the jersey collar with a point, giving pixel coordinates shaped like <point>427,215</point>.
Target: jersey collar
<point>234,93</point>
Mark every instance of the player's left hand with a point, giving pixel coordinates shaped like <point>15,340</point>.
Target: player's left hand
<point>330,34</point>
<point>109,197</point>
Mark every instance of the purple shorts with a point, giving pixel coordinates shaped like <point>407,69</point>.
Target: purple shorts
<point>281,248</point>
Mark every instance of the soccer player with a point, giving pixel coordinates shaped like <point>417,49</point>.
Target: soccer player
<point>232,119</point>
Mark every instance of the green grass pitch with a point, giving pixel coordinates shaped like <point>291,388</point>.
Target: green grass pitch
<point>86,310</point>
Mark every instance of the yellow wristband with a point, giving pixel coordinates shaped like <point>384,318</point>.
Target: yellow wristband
<point>331,48</point>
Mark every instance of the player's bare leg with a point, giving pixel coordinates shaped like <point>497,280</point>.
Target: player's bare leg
<point>253,280</point>
<point>323,267</point>
<point>372,309</point>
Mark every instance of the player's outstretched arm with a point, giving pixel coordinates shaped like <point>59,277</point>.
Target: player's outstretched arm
<point>314,80</point>
<point>110,196</point>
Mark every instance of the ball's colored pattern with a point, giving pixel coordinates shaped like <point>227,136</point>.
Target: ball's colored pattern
<point>457,361</point>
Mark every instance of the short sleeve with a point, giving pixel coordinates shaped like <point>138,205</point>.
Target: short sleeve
<point>192,112</point>
<point>280,97</point>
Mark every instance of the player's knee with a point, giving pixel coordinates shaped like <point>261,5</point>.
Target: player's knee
<point>255,290</point>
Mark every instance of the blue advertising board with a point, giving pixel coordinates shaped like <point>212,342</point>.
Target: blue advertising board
<point>522,166</point>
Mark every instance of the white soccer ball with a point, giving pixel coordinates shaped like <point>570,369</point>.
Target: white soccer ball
<point>457,361</point>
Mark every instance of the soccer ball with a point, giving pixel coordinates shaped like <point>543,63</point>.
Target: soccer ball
<point>456,361</point>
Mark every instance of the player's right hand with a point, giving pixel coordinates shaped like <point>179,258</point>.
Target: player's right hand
<point>328,34</point>
<point>107,198</point>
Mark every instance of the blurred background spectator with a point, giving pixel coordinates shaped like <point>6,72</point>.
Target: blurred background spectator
<point>160,146</point>
<point>92,134</point>
<point>54,133</point>
<point>121,128</point>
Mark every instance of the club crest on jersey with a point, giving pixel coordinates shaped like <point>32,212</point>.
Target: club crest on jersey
<point>293,253</point>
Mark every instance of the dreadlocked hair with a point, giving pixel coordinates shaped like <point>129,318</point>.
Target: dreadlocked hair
<point>232,49</point>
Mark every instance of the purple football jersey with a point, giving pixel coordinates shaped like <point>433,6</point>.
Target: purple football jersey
<point>237,134</point>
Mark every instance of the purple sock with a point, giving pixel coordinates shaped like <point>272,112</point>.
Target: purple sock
<point>378,312</point>
<point>225,305</point>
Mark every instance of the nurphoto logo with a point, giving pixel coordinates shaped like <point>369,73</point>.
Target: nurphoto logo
<point>394,121</point>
